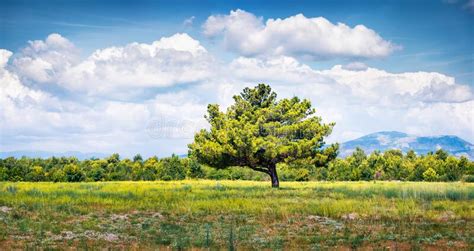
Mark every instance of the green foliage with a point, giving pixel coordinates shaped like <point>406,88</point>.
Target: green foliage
<point>73,173</point>
<point>441,154</point>
<point>452,169</point>
<point>394,165</point>
<point>194,169</point>
<point>289,172</point>
<point>233,173</point>
<point>145,171</point>
<point>57,175</point>
<point>137,158</point>
<point>36,174</point>
<point>259,132</point>
<point>96,172</point>
<point>468,178</point>
<point>171,169</point>
<point>339,170</point>
<point>430,175</point>
<point>358,166</point>
<point>3,174</point>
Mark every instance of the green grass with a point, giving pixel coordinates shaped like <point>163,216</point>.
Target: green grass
<point>237,215</point>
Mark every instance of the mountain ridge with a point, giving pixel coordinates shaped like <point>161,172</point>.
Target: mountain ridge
<point>386,140</point>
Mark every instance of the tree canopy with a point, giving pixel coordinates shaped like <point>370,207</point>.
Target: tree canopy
<point>258,131</point>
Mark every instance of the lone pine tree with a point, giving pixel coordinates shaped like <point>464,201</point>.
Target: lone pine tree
<point>258,132</point>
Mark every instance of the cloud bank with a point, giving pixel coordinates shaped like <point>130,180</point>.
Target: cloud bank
<point>297,35</point>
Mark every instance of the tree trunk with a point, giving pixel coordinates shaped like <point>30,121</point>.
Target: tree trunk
<point>273,175</point>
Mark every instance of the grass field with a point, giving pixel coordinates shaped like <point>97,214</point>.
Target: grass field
<point>237,215</point>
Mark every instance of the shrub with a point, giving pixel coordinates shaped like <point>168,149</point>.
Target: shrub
<point>171,169</point>
<point>216,174</point>
<point>430,175</point>
<point>302,175</point>
<point>145,171</point>
<point>3,174</point>
<point>468,178</point>
<point>195,170</point>
<point>96,173</point>
<point>36,174</point>
<point>57,175</point>
<point>73,173</point>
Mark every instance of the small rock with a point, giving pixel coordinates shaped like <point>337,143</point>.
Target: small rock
<point>351,216</point>
<point>314,218</point>
<point>119,217</point>
<point>325,221</point>
<point>5,209</point>
<point>110,237</point>
<point>157,215</point>
<point>90,234</point>
<point>68,235</point>
<point>93,235</point>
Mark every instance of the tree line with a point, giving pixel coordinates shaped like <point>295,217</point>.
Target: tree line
<point>390,165</point>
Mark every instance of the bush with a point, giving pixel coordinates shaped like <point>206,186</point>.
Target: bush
<point>302,175</point>
<point>171,169</point>
<point>3,174</point>
<point>36,174</point>
<point>216,174</point>
<point>288,173</point>
<point>145,171</point>
<point>468,178</point>
<point>73,173</point>
<point>96,173</point>
<point>430,175</point>
<point>194,170</point>
<point>57,175</point>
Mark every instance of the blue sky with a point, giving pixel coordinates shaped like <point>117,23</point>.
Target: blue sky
<point>411,61</point>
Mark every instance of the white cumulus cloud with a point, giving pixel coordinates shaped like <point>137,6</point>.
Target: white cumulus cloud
<point>171,60</point>
<point>178,59</point>
<point>42,61</point>
<point>119,71</point>
<point>297,35</point>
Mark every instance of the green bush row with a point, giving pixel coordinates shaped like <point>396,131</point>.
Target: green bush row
<point>390,165</point>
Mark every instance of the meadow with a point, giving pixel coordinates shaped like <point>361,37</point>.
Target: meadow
<point>237,215</point>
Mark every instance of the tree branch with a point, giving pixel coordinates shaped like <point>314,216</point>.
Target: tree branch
<point>259,169</point>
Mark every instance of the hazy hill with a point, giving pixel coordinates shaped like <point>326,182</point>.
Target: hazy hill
<point>397,140</point>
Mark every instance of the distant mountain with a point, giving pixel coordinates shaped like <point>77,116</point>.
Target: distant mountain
<point>42,154</point>
<point>383,141</point>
